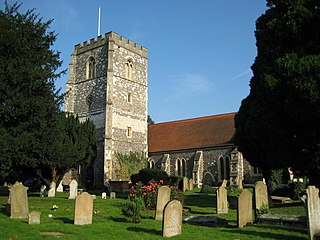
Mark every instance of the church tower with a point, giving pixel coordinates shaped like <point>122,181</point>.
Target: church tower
<point>108,83</point>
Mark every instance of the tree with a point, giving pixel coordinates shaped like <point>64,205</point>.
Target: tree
<point>278,124</point>
<point>36,138</point>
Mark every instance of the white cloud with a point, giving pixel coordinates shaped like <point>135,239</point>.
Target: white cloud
<point>185,85</point>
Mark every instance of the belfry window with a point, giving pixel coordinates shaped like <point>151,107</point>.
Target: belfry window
<point>129,68</point>
<point>91,68</point>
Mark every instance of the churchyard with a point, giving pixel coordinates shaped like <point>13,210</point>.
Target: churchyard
<point>58,218</point>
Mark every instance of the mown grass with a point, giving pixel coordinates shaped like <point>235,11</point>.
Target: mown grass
<point>109,223</point>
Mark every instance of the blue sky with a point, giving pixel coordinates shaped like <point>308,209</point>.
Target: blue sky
<point>200,51</point>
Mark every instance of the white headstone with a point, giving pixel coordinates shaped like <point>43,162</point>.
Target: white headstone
<point>172,219</point>
<point>60,187</point>
<point>52,190</point>
<point>112,195</point>
<point>104,195</point>
<point>42,190</point>
<point>73,191</point>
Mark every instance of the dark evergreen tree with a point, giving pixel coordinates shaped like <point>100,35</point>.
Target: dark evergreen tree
<point>278,124</point>
<point>36,138</point>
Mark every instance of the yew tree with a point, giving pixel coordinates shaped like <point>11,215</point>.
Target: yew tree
<point>278,124</point>
<point>36,137</point>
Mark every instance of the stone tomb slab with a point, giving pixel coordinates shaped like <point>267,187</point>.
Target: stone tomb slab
<point>163,198</point>
<point>34,217</point>
<point>172,219</point>
<point>83,209</point>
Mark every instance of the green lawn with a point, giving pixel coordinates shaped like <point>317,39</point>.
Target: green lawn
<point>109,223</point>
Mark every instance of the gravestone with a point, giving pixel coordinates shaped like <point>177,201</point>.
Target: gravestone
<point>112,195</point>
<point>185,184</point>
<point>163,198</point>
<point>60,187</point>
<point>222,200</point>
<point>191,184</point>
<point>313,211</point>
<point>83,209</point>
<point>104,195</point>
<point>261,196</point>
<point>244,209</point>
<point>224,183</point>
<point>34,217</point>
<point>73,191</point>
<point>43,190</point>
<point>172,219</point>
<point>19,201</point>
<point>52,190</point>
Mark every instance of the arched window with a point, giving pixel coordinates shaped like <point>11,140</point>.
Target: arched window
<point>129,68</point>
<point>178,168</point>
<point>224,167</point>
<point>151,163</point>
<point>91,68</point>
<point>184,169</point>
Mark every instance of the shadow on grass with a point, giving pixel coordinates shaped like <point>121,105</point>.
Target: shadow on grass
<point>266,234</point>
<point>64,220</point>
<point>144,230</point>
<point>283,228</point>
<point>282,205</point>
<point>119,219</point>
<point>200,200</point>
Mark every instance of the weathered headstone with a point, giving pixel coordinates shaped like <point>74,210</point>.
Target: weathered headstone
<point>73,191</point>
<point>224,183</point>
<point>60,187</point>
<point>244,209</point>
<point>52,190</point>
<point>313,211</point>
<point>112,195</point>
<point>43,190</point>
<point>34,217</point>
<point>83,209</point>
<point>172,219</point>
<point>191,184</point>
<point>19,201</point>
<point>104,195</point>
<point>163,198</point>
<point>185,184</point>
<point>222,200</point>
<point>261,196</point>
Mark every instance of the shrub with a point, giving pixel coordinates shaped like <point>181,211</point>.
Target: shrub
<point>132,209</point>
<point>297,189</point>
<point>147,174</point>
<point>176,194</point>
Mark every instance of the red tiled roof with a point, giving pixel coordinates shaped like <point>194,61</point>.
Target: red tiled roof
<point>193,133</point>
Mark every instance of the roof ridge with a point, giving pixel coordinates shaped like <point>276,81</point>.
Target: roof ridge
<point>194,119</point>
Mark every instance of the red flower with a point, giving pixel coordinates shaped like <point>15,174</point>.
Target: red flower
<point>161,181</point>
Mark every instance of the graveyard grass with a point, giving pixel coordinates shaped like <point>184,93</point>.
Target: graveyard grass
<point>109,223</point>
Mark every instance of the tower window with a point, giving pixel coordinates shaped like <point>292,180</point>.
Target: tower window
<point>129,68</point>
<point>129,98</point>
<point>129,132</point>
<point>91,68</point>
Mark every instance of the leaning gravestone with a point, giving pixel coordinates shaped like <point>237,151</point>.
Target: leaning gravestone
<point>34,217</point>
<point>172,219</point>
<point>60,187</point>
<point>83,209</point>
<point>19,201</point>
<point>52,190</point>
<point>261,196</point>
<point>244,210</point>
<point>163,198</point>
<point>73,191</point>
<point>222,200</point>
<point>313,211</point>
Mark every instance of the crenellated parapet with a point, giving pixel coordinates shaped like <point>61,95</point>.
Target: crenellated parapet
<point>111,37</point>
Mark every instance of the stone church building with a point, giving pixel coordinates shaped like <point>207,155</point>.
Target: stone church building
<point>108,83</point>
